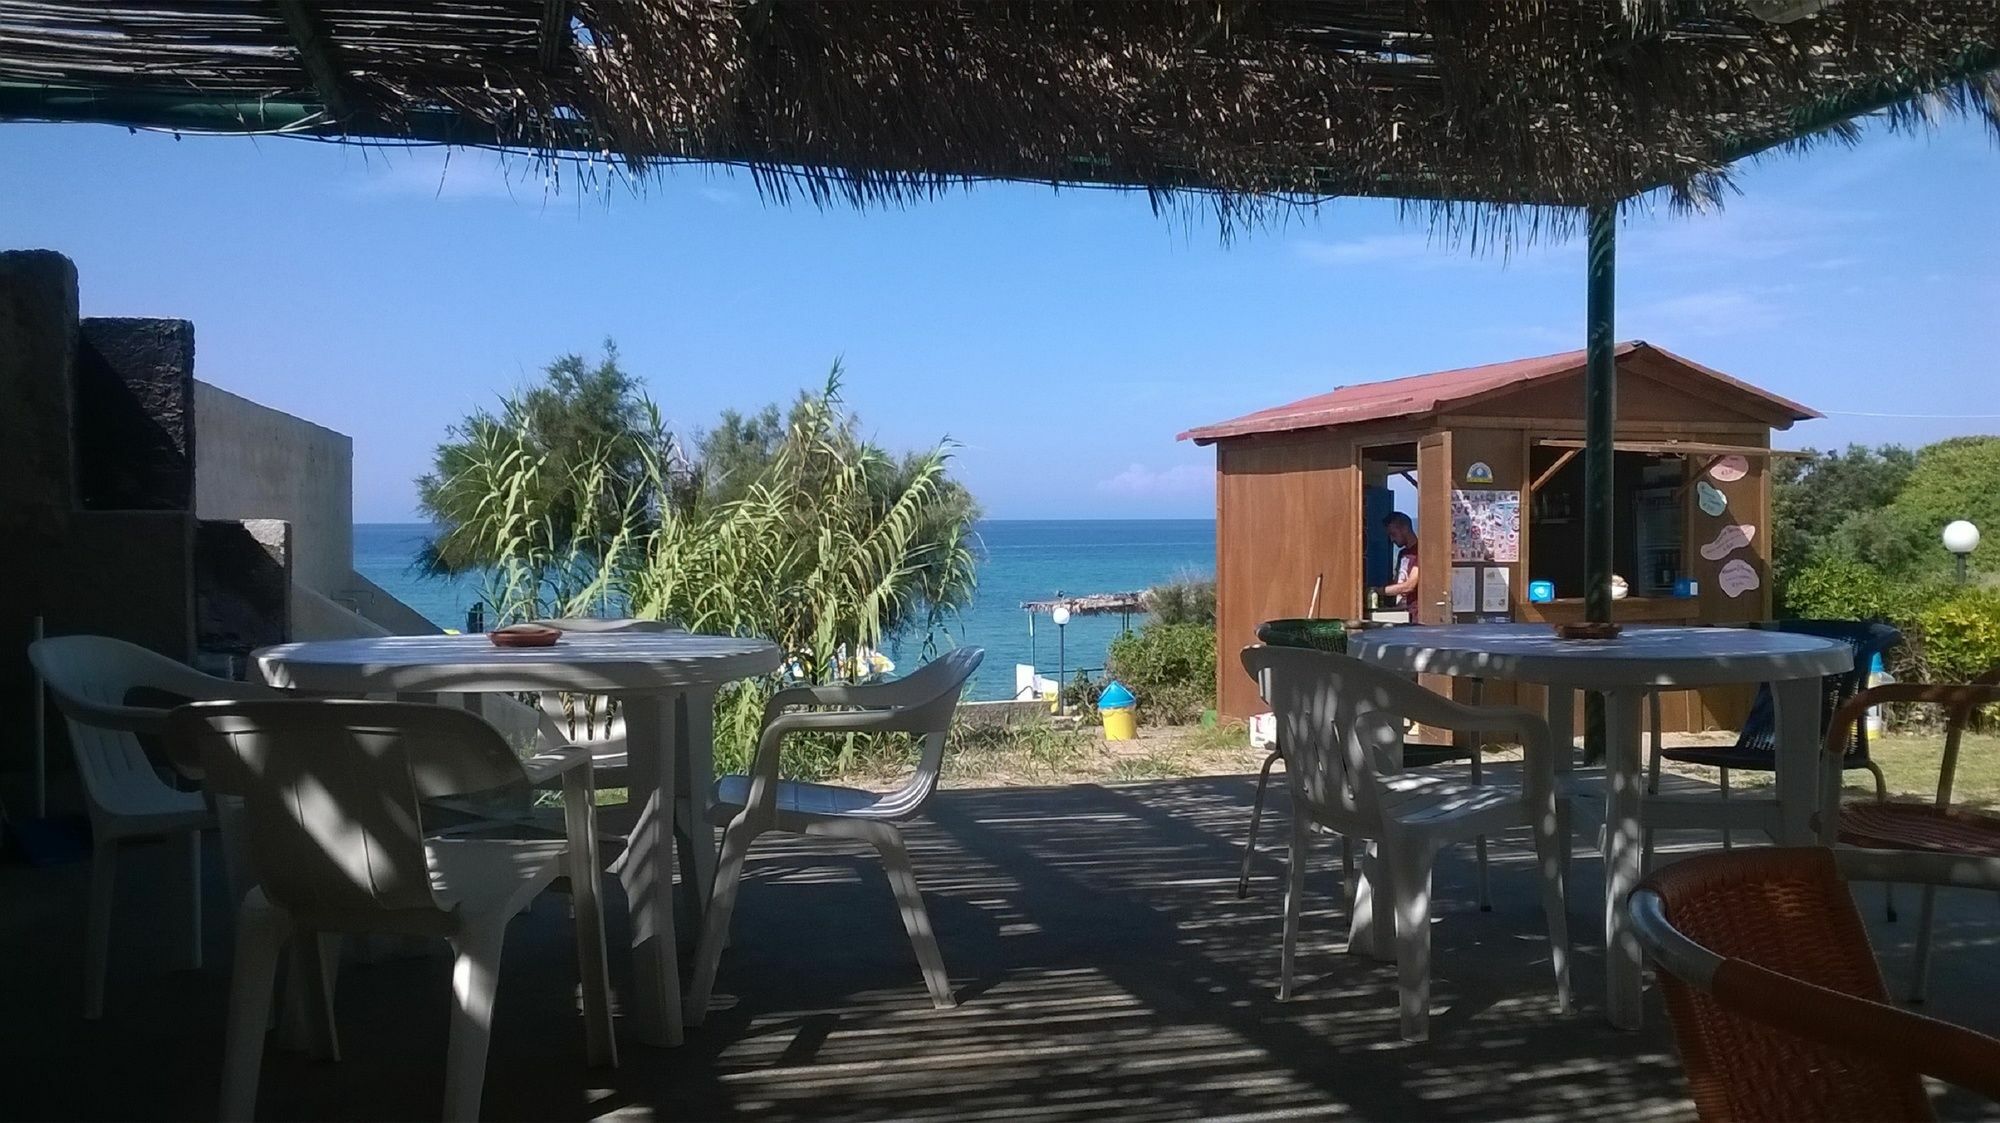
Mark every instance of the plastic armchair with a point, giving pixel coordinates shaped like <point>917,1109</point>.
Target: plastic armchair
<point>325,796</point>
<point>1777,1004</point>
<point>921,704</point>
<point>1937,827</point>
<point>1341,721</point>
<point>1756,743</point>
<point>591,721</point>
<point>92,679</point>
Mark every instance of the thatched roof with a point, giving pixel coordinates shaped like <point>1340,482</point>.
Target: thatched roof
<point>1538,102</point>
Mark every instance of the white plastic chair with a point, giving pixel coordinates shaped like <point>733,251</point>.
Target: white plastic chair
<point>921,704</point>
<point>324,798</point>
<point>1341,721</point>
<point>591,721</point>
<point>91,678</point>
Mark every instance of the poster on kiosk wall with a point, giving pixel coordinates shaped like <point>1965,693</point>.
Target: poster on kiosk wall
<point>1485,526</point>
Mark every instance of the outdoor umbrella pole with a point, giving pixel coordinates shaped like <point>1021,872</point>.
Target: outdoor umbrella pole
<point>1600,412</point>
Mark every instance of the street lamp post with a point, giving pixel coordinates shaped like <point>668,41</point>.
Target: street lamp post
<point>1961,538</point>
<point>1061,617</point>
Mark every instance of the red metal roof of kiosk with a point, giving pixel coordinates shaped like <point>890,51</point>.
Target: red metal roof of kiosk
<point>1423,394</point>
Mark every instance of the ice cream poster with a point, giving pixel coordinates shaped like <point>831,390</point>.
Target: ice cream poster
<point>1485,526</point>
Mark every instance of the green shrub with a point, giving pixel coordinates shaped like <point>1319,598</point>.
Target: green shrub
<point>1170,668</point>
<point>1841,588</point>
<point>1079,696</point>
<point>1950,634</point>
<point>1960,635</point>
<point>1184,600</point>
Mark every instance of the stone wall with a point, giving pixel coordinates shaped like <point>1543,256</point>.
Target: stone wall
<point>135,432</point>
<point>124,571</point>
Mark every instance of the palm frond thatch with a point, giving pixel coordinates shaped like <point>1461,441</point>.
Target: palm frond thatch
<point>1494,118</point>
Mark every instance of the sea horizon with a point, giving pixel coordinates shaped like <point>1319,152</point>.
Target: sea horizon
<point>1020,559</point>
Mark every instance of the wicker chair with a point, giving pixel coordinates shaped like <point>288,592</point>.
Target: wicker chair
<point>1778,1007</point>
<point>1936,828</point>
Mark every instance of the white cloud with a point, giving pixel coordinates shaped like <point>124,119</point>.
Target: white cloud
<point>721,197</point>
<point>1178,482</point>
<point>1718,311</point>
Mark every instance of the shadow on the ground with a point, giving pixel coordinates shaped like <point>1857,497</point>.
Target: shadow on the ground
<point>1105,969</point>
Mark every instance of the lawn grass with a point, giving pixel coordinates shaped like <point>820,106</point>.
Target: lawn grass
<point>1034,753</point>
<point>1909,768</point>
<point>1910,764</point>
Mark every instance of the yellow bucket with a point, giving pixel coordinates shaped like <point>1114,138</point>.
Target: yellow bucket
<point>1120,724</point>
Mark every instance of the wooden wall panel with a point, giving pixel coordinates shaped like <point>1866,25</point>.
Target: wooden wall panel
<point>1287,514</point>
<point>1434,529</point>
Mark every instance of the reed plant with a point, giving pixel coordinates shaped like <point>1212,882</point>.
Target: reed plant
<point>833,547</point>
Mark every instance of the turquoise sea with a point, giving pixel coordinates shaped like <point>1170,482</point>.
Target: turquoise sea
<point>1020,560</point>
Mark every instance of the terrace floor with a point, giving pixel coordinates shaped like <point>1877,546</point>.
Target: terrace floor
<point>1105,969</point>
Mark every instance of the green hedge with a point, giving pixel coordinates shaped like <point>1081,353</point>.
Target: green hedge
<point>1951,633</point>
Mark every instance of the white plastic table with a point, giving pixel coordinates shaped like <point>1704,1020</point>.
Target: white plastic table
<point>665,682</point>
<point>1639,661</point>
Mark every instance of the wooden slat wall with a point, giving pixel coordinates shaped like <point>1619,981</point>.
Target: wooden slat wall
<point>1287,513</point>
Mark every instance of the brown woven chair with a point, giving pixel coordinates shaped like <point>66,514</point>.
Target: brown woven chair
<point>1934,828</point>
<point>1778,1007</point>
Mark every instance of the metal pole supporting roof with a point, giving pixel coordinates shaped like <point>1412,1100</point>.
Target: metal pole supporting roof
<point>1600,417</point>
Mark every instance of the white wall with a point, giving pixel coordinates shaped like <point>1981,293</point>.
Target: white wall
<point>253,462</point>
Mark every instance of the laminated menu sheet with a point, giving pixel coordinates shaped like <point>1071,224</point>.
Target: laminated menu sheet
<point>1464,588</point>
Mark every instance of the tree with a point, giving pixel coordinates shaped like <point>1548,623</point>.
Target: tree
<point>573,498</point>
<point>1952,479</point>
<point>565,460</point>
<point>1815,499</point>
<point>735,454</point>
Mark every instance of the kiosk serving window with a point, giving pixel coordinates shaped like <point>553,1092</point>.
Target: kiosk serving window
<point>1649,532</point>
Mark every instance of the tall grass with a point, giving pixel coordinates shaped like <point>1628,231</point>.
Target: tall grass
<point>833,546</point>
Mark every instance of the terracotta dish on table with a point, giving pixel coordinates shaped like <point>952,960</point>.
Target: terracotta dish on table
<point>525,635</point>
<point>1587,630</point>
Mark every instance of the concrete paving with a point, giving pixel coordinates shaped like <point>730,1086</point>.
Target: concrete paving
<point>1105,969</point>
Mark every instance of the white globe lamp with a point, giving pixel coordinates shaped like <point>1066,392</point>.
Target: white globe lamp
<point>1961,538</point>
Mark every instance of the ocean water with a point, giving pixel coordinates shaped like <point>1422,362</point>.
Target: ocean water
<point>1020,560</point>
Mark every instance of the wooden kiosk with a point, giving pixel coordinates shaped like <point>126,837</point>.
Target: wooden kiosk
<point>1492,455</point>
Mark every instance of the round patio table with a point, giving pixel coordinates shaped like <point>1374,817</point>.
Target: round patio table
<point>1624,670</point>
<point>665,682</point>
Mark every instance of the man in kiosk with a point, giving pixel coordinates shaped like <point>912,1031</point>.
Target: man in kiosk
<point>1402,592</point>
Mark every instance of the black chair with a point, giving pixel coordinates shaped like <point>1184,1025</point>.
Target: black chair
<point>1756,745</point>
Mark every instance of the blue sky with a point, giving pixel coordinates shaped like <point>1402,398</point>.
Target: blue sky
<point>1062,338</point>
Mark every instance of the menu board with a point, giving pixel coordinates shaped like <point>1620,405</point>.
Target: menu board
<point>1485,526</point>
